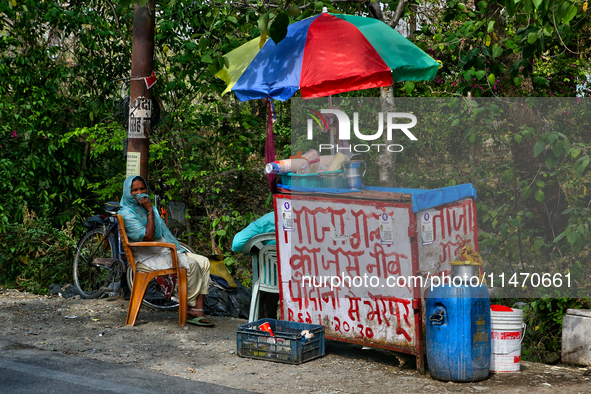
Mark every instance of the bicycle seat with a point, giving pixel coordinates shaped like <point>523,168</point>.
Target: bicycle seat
<point>112,207</point>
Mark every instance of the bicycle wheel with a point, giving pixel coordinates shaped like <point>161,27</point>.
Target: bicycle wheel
<point>155,297</point>
<point>187,247</point>
<point>89,278</point>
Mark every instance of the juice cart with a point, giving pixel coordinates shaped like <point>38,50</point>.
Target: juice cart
<point>359,261</point>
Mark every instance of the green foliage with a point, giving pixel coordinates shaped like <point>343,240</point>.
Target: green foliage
<point>222,232</point>
<point>506,48</point>
<point>53,79</point>
<point>570,162</point>
<point>224,227</point>
<point>34,254</point>
<point>542,340</point>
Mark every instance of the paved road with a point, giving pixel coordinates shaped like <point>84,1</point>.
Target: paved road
<point>25,369</point>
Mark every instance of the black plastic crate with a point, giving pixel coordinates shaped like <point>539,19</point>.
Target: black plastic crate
<point>288,345</point>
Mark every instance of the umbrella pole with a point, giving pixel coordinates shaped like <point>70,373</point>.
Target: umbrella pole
<point>270,146</point>
<point>331,130</point>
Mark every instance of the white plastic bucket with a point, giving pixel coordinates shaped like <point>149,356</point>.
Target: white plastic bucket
<point>506,333</point>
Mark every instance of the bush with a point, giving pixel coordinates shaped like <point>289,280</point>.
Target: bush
<point>34,254</point>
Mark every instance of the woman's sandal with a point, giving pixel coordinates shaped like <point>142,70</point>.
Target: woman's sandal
<point>200,321</point>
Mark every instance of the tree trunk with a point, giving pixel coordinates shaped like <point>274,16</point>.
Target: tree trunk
<point>386,161</point>
<point>472,149</point>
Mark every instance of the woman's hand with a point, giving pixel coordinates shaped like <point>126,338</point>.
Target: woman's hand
<point>144,203</point>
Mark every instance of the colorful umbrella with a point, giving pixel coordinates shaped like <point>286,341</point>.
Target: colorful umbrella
<point>324,55</point>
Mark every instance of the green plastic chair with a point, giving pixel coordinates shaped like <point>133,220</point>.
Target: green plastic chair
<point>264,269</point>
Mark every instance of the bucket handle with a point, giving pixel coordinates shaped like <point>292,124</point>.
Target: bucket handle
<point>364,169</point>
<point>523,328</point>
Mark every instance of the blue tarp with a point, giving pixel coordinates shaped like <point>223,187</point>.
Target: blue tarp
<point>421,198</point>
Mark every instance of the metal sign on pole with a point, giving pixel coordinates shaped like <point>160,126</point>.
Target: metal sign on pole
<point>140,103</point>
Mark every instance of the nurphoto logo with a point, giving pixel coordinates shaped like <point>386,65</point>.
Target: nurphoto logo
<point>344,130</point>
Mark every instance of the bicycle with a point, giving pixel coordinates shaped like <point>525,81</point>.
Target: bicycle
<point>100,263</point>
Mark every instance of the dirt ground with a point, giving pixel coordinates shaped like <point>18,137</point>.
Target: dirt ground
<point>94,329</point>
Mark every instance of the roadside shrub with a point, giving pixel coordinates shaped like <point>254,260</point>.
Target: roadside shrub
<point>34,254</point>
<point>542,341</point>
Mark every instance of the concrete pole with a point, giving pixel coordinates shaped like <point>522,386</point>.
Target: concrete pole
<point>140,103</point>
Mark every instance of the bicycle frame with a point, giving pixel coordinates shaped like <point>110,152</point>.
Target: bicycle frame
<point>119,253</point>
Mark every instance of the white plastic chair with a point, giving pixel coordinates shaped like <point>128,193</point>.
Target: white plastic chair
<point>264,269</point>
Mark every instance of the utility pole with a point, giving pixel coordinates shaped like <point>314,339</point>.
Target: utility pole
<point>140,101</point>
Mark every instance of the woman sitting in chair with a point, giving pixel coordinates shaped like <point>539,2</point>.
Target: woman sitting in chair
<point>142,223</point>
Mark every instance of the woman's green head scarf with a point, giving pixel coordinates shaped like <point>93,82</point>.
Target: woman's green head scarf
<point>136,219</point>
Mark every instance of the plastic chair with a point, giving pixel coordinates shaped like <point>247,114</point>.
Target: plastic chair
<point>141,279</point>
<point>264,269</point>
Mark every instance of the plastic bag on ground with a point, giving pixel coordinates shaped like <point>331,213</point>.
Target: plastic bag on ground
<point>228,303</point>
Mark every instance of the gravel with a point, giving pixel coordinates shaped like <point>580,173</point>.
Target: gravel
<point>95,329</point>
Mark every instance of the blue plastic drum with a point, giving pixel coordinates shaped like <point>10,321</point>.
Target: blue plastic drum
<point>458,333</point>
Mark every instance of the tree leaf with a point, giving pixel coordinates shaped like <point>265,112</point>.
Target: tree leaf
<point>567,146</point>
<point>551,160</point>
<point>558,148</point>
<point>213,69</point>
<point>278,29</point>
<point>498,51</point>
<point>480,74</point>
<point>518,138</point>
<point>409,86</point>
<point>571,12</point>
<point>528,6</point>
<point>204,43</point>
<point>263,23</point>
<point>491,26</point>
<point>575,152</point>
<point>504,229</point>
<point>578,162</point>
<point>541,81</point>
<point>491,79</point>
<point>294,11</point>
<point>572,237</point>
<point>539,196</point>
<point>219,62</point>
<point>537,3</point>
<point>580,172</point>
<point>532,37</point>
